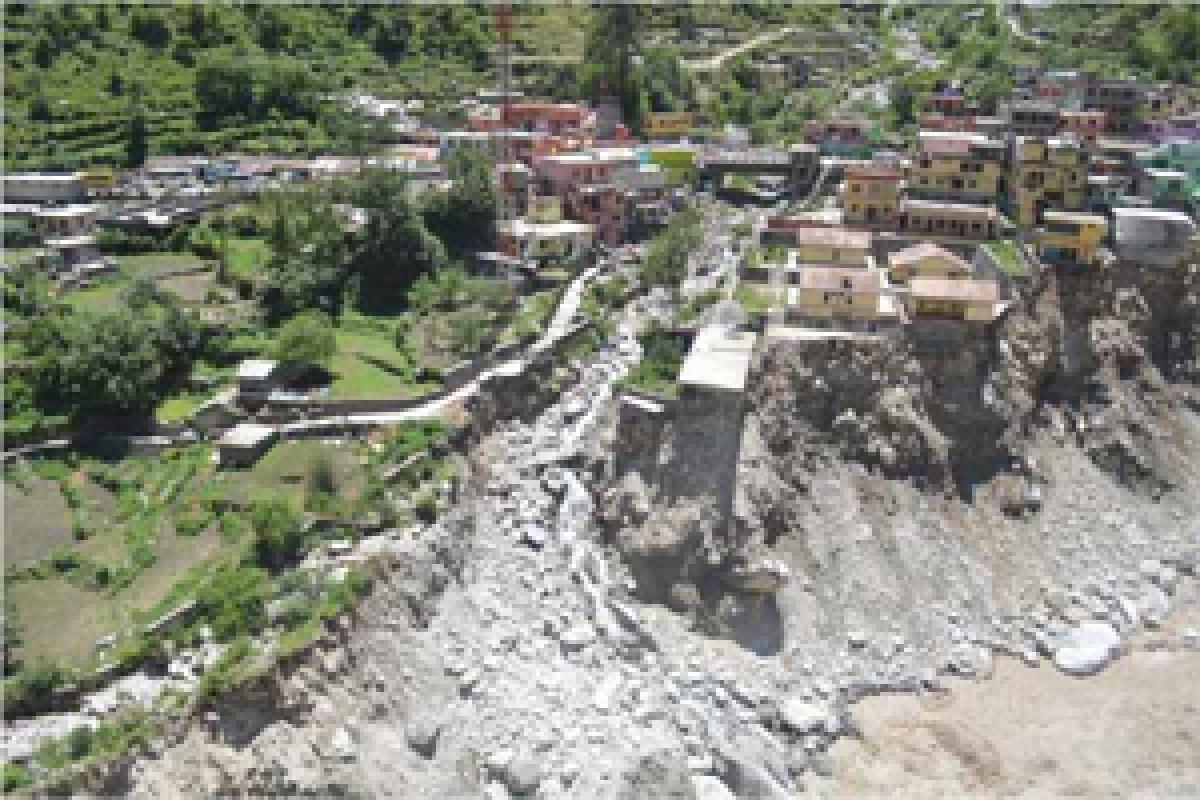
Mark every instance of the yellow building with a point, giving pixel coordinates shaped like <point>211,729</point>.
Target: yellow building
<point>668,124</point>
<point>933,218</point>
<point>837,292</point>
<point>871,195</point>
<point>926,260</point>
<point>965,299</point>
<point>1047,173</point>
<point>955,166</point>
<point>1071,238</point>
<point>832,246</point>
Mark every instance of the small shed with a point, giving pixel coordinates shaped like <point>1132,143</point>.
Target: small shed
<point>256,377</point>
<point>244,444</point>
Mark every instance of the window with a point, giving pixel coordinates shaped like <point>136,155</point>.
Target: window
<point>846,283</point>
<point>854,208</point>
<point>856,188</point>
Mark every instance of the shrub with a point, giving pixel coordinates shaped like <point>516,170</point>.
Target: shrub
<point>278,537</point>
<point>31,690</point>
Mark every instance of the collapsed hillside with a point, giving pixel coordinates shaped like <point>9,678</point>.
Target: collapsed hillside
<point>605,616</point>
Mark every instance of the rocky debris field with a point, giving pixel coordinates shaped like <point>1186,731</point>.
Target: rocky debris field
<point>516,650</point>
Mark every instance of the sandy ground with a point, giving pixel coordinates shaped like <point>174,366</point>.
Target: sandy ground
<point>1131,731</point>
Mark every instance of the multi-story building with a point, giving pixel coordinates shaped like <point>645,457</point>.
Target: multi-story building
<point>926,260</point>
<point>872,194</point>
<point>937,218</point>
<point>832,246</point>
<point>958,167</point>
<point>1086,126</point>
<point>1033,118</point>
<point>948,102</point>
<point>845,295</point>
<point>842,136</point>
<point>1071,238</point>
<point>1122,100</point>
<point>966,299</point>
<point>1182,158</point>
<point>1151,236</point>
<point>1046,173</point>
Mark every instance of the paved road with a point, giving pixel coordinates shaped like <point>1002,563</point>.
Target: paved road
<point>714,63</point>
<point>560,325</point>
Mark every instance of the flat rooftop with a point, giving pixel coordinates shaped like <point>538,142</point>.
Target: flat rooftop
<point>719,359</point>
<point>247,434</point>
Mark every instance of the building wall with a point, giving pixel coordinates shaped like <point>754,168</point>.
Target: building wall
<point>959,178</point>
<point>870,201</point>
<point>822,303</point>
<point>822,254</point>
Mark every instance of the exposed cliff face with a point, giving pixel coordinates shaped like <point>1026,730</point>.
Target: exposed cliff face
<point>878,444</point>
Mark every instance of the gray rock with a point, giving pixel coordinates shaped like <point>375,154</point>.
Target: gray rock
<point>800,716</point>
<point>1087,648</point>
<point>710,787</point>
<point>422,735</point>
<point>521,775</point>
<point>577,637</point>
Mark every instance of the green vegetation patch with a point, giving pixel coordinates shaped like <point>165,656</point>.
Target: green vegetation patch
<point>1008,258</point>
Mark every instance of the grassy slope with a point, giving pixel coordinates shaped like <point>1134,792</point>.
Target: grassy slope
<point>73,71</point>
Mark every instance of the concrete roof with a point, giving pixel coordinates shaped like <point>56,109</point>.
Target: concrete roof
<point>1156,214</point>
<point>256,368</point>
<point>833,237</point>
<point>967,289</point>
<point>833,279</point>
<point>520,228</point>
<point>1075,216</point>
<point>247,434</point>
<point>911,255</point>
<point>719,359</point>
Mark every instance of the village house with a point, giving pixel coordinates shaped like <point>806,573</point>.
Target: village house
<point>1121,100</point>
<point>1152,236</point>
<point>926,260</point>
<point>966,299</point>
<point>1033,119</point>
<point>245,443</point>
<point>545,241</point>
<point>69,233</point>
<point>949,102</point>
<point>1071,238</point>
<point>1047,173</point>
<point>958,167</point>
<point>256,379</point>
<point>871,194</point>
<point>1086,126</point>
<point>33,188</point>
<point>830,245</point>
<point>852,137</point>
<point>935,218</point>
<point>849,296</point>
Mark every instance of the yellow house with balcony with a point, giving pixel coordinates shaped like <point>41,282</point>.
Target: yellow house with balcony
<point>1071,238</point>
<point>926,260</point>
<point>844,293</point>
<point>1047,174</point>
<point>871,195</point>
<point>957,167</point>
<point>831,245</point>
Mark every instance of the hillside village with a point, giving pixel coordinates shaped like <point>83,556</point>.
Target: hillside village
<point>259,399</point>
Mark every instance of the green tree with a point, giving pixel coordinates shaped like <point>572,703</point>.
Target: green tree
<point>665,262</point>
<point>278,534</point>
<point>610,53</point>
<point>464,216</point>
<point>137,145</point>
<point>394,247</point>
<point>306,340</point>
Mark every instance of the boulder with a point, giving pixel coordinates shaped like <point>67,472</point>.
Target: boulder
<point>1087,648</point>
<point>800,716</point>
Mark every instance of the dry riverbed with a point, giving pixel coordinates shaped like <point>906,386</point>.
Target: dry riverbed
<point>1130,731</point>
